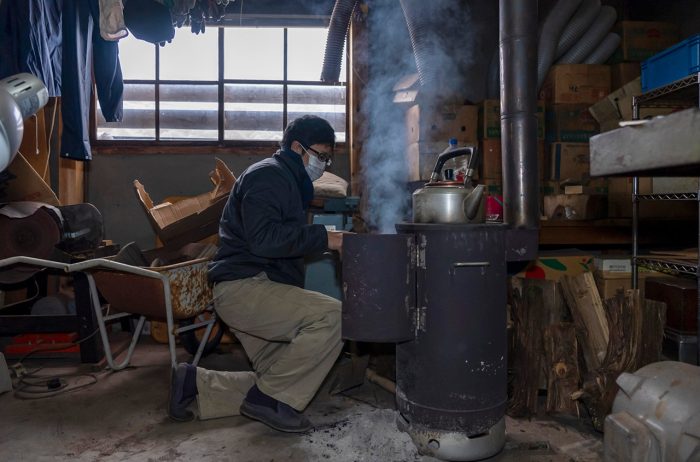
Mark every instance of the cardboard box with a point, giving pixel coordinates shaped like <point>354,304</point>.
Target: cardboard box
<point>492,160</point>
<point>193,218</point>
<point>555,266</point>
<point>663,185</point>
<point>593,186</point>
<point>613,264</point>
<point>406,89</point>
<point>617,107</point>
<point>620,196</point>
<point>643,39</point>
<point>571,123</point>
<point>620,201</point>
<point>609,283</point>
<point>490,119</point>
<point>441,124</point>
<point>25,184</point>
<point>569,161</point>
<point>576,206</point>
<point>421,158</point>
<point>576,84</point>
<point>623,73</point>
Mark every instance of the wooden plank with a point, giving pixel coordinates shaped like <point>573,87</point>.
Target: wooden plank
<point>71,181</point>
<point>71,178</point>
<point>587,309</point>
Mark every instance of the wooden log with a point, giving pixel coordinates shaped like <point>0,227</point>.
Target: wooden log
<point>528,315</point>
<point>581,294</point>
<point>636,334</point>
<point>561,360</point>
<point>654,320</point>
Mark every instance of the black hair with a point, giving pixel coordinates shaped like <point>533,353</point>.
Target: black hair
<point>308,130</point>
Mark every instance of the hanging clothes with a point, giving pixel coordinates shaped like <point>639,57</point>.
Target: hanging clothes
<point>85,52</point>
<point>30,40</point>
<point>112,25</point>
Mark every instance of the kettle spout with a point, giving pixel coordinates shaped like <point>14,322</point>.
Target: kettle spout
<point>472,202</point>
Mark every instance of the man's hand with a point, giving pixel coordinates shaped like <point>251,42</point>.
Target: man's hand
<point>335,240</point>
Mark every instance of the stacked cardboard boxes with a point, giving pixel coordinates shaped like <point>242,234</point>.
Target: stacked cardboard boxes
<point>640,40</point>
<point>613,273</point>
<point>569,91</point>
<point>429,129</point>
<point>643,39</point>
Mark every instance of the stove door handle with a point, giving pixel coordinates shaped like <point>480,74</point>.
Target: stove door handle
<point>470,264</point>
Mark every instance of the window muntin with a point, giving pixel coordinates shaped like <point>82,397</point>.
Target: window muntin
<point>186,100</point>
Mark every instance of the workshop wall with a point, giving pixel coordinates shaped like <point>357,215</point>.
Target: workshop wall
<point>110,185</point>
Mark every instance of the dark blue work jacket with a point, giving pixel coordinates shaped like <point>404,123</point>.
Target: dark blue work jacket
<point>264,227</point>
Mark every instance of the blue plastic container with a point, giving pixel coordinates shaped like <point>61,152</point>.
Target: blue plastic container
<point>672,64</point>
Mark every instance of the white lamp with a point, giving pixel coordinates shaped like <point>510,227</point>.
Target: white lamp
<point>21,96</point>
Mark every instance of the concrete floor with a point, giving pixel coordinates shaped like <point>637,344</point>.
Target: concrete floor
<point>122,418</point>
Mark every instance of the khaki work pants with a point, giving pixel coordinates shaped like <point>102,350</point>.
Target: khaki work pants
<point>291,336</point>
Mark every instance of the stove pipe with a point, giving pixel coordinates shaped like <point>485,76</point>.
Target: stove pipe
<point>518,55</point>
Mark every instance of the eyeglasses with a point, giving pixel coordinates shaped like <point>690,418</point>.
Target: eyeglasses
<point>322,156</point>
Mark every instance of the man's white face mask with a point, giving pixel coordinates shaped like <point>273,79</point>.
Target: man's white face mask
<point>315,167</point>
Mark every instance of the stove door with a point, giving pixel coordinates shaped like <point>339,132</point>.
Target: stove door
<point>378,287</point>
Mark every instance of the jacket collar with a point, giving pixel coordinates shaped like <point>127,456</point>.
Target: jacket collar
<point>293,162</point>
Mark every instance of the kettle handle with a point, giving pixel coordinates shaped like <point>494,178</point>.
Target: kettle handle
<point>471,167</point>
<point>445,156</point>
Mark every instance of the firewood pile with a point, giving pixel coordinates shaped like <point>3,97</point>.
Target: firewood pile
<point>577,349</point>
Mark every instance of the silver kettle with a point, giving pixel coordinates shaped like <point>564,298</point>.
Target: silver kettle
<point>441,201</point>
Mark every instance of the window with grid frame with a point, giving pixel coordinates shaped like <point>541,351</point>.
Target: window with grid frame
<point>227,86</point>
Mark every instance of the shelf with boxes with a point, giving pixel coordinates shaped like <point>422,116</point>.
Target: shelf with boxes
<point>683,345</point>
<point>660,159</point>
<point>681,93</point>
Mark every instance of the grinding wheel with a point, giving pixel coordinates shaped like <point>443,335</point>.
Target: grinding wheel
<point>33,236</point>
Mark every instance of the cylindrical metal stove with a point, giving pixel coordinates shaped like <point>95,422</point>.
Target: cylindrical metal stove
<point>451,373</point>
<point>451,378</point>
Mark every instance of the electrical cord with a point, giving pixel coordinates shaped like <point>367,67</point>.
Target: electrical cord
<point>48,156</point>
<point>33,386</point>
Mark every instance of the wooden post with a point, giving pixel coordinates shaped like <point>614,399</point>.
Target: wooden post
<point>71,176</point>
<point>71,181</point>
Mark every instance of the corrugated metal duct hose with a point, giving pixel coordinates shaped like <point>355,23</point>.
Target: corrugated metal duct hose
<point>335,42</point>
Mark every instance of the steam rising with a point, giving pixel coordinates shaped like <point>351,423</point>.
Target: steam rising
<point>452,63</point>
<point>384,167</point>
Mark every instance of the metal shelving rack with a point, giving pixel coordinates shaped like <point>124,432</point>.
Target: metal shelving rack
<point>681,93</point>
